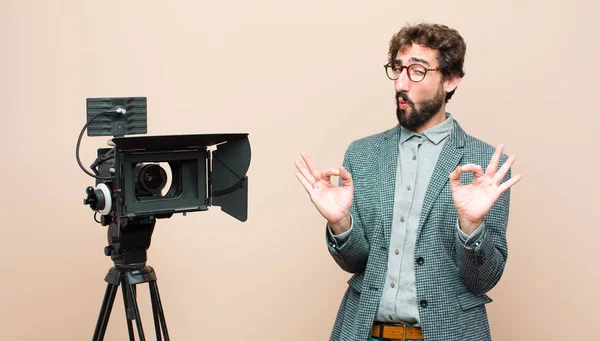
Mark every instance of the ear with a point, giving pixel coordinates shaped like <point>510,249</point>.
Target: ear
<point>451,83</point>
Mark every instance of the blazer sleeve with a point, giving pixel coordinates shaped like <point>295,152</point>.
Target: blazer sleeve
<point>481,262</point>
<point>351,254</point>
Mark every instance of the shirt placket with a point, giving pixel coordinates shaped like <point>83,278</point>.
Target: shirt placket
<point>405,182</point>
<point>409,176</point>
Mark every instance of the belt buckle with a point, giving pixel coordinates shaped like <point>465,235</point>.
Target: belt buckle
<point>404,329</point>
<point>403,332</point>
<point>381,331</point>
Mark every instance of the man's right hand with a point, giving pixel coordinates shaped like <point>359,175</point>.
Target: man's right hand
<point>332,201</point>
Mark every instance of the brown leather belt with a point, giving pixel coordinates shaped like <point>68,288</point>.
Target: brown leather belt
<point>396,331</point>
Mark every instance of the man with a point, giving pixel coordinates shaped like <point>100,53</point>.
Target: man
<point>416,219</point>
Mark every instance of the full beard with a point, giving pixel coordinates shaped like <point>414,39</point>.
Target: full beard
<point>413,117</point>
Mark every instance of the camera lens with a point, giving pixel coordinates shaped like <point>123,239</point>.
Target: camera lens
<point>150,179</point>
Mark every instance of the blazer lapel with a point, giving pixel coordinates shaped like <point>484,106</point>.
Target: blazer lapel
<point>448,160</point>
<point>386,165</point>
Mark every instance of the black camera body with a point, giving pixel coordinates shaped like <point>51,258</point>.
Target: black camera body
<point>141,179</point>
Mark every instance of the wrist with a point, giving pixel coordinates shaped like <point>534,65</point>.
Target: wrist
<point>341,225</point>
<point>468,226</point>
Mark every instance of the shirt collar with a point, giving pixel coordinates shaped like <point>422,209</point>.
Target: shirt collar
<point>435,134</point>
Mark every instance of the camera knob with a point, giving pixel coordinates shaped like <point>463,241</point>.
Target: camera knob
<point>99,199</point>
<point>91,198</point>
<point>108,250</point>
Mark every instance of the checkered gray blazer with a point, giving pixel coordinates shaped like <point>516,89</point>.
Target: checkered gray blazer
<point>452,280</point>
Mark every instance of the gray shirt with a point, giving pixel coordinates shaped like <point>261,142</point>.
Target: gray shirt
<point>417,156</point>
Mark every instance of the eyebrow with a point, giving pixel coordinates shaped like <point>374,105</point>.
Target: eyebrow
<point>413,59</point>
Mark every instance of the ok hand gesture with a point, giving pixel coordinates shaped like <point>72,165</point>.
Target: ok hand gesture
<point>332,201</point>
<point>473,201</point>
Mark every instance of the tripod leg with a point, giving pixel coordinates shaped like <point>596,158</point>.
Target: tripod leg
<point>155,296</point>
<point>126,304</point>
<point>107,303</point>
<point>154,312</point>
<point>136,310</point>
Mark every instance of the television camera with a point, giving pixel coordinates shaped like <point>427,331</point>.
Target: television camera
<point>142,179</point>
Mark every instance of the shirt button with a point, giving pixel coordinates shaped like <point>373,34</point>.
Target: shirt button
<point>397,251</point>
<point>423,303</point>
<point>408,188</point>
<point>402,219</point>
<point>391,317</point>
<point>414,158</point>
<point>420,260</point>
<point>392,284</point>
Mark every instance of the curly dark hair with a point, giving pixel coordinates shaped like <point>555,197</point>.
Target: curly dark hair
<point>448,43</point>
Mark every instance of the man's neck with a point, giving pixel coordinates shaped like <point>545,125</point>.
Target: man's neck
<point>433,121</point>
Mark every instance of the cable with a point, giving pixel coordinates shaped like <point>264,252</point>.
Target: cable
<point>101,159</point>
<point>79,142</point>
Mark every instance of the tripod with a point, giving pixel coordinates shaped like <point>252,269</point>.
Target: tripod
<point>127,248</point>
<point>128,277</point>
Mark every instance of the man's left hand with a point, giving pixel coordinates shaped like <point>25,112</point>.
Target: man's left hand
<point>473,201</point>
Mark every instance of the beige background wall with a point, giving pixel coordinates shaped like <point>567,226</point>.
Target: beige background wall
<point>297,76</point>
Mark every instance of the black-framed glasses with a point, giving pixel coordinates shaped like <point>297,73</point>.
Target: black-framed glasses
<point>416,72</point>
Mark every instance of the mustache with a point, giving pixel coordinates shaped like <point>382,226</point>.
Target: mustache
<point>405,98</point>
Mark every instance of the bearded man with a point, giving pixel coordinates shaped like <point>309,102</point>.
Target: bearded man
<point>415,218</point>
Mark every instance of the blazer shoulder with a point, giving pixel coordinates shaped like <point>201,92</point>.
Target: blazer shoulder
<point>479,150</point>
<point>364,151</point>
<point>372,141</point>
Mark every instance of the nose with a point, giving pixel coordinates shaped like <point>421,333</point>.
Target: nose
<point>402,84</point>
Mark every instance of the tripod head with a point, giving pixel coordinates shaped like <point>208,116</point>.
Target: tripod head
<point>128,244</point>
